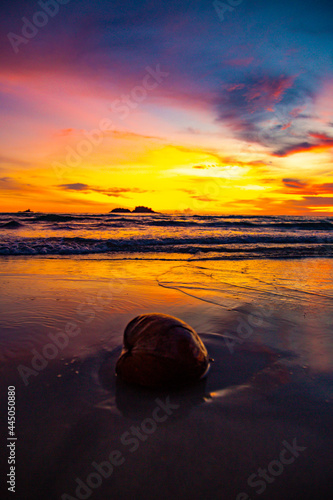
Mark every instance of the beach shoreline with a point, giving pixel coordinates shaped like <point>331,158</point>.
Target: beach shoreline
<point>266,323</point>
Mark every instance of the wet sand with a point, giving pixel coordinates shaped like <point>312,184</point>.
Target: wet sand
<point>259,425</point>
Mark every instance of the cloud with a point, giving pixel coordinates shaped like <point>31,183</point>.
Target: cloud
<point>188,191</point>
<point>78,186</point>
<point>254,94</point>
<point>314,201</point>
<point>11,184</point>
<point>299,187</point>
<point>324,188</point>
<point>320,142</point>
<point>121,192</point>
<point>305,205</point>
<point>294,148</point>
<point>266,109</point>
<point>267,91</point>
<point>115,192</point>
<point>287,125</point>
<point>12,187</point>
<point>239,62</point>
<point>204,198</point>
<point>296,112</point>
<point>323,138</point>
<point>6,160</point>
<point>125,134</point>
<point>235,86</point>
<point>294,183</point>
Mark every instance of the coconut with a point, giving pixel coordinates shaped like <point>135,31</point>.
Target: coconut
<point>160,350</point>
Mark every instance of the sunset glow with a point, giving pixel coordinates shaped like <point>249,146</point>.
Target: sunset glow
<point>169,107</point>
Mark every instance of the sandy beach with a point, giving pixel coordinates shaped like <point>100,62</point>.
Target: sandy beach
<point>258,426</point>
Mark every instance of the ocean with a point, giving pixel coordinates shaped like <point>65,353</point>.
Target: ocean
<point>170,237</point>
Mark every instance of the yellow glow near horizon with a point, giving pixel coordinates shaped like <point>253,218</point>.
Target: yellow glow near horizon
<point>164,178</point>
<point>199,173</point>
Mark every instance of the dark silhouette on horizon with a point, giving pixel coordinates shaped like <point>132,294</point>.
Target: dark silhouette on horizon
<point>138,210</point>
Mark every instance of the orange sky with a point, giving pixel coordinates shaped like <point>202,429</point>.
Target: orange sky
<point>146,158</point>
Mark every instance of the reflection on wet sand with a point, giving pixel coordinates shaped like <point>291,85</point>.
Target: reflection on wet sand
<point>271,380</point>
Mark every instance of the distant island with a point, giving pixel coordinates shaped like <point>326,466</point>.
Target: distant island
<point>120,211</point>
<point>137,210</point>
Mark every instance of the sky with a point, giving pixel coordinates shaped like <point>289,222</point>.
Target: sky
<point>182,106</point>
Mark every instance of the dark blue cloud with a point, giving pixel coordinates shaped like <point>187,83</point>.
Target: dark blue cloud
<point>259,44</point>
<point>114,192</point>
<point>77,186</point>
